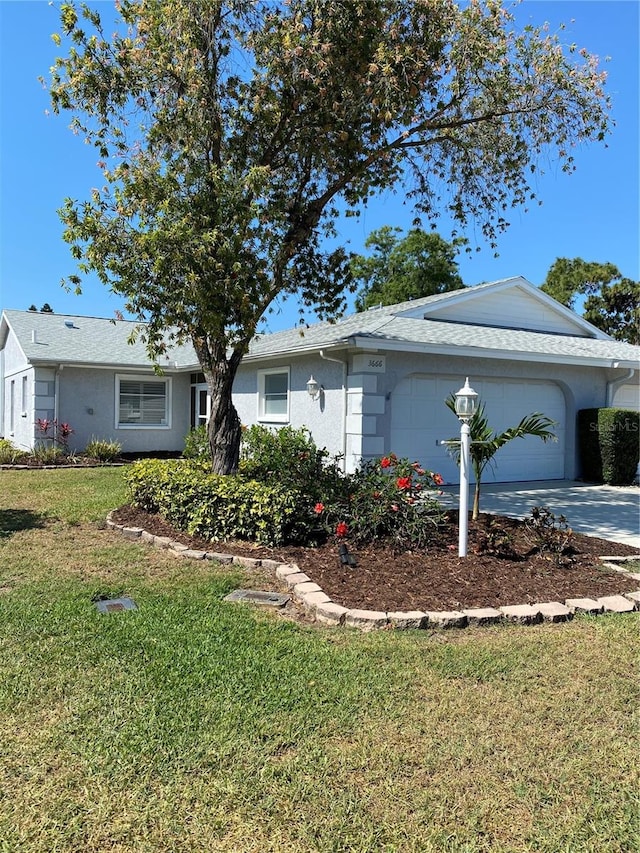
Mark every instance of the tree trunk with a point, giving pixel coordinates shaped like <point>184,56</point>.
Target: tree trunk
<point>223,429</point>
<point>476,501</point>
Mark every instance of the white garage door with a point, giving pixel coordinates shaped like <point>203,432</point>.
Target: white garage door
<point>420,421</point>
<point>627,397</point>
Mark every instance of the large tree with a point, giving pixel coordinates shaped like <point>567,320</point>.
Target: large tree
<point>612,301</point>
<point>232,132</point>
<point>419,264</point>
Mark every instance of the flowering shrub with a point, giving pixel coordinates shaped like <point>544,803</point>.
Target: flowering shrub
<point>387,498</point>
<point>57,433</point>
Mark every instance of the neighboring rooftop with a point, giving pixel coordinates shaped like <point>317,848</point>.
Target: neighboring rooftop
<point>66,339</point>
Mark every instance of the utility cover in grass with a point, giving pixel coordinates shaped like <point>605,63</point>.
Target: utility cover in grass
<point>115,605</point>
<point>256,596</point>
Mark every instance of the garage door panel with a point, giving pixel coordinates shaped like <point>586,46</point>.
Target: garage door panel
<point>420,421</point>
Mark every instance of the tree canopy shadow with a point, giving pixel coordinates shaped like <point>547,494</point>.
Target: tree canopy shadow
<point>13,520</point>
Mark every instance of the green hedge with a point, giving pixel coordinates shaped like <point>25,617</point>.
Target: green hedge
<point>215,507</point>
<point>608,441</point>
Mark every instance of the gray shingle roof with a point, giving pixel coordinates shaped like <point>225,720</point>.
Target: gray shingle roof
<point>386,328</point>
<point>66,339</point>
<point>89,340</point>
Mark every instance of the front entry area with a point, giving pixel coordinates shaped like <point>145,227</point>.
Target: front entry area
<point>200,403</point>
<point>420,421</point>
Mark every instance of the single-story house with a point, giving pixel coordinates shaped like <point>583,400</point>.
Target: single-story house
<point>382,377</point>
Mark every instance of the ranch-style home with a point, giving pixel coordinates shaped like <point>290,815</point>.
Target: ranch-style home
<point>370,384</point>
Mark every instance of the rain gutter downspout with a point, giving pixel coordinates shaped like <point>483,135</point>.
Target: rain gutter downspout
<point>614,384</point>
<point>343,436</point>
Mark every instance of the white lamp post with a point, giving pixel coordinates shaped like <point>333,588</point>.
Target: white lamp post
<point>466,404</point>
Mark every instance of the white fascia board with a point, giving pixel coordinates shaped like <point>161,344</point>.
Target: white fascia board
<point>4,329</point>
<point>135,368</point>
<point>302,350</point>
<point>477,352</point>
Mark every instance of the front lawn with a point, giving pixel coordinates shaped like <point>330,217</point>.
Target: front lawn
<point>196,725</point>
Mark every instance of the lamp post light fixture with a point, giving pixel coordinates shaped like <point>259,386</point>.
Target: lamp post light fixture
<point>466,403</point>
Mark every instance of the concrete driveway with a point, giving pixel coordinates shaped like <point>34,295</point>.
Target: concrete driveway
<point>610,512</point>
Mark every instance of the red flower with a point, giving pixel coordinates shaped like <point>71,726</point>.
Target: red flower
<point>394,507</point>
<point>342,528</point>
<point>65,430</point>
<point>437,479</point>
<point>385,462</point>
<point>318,508</point>
<point>403,482</point>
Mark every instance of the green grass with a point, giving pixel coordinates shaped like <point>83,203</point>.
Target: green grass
<point>196,725</point>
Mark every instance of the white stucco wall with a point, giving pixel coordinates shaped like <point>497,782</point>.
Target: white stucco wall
<point>369,395</point>
<point>87,402</point>
<point>16,370</point>
<point>324,416</point>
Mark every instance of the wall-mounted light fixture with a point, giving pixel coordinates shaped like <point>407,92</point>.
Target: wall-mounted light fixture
<point>313,388</point>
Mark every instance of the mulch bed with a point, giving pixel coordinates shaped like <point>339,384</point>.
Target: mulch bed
<point>436,579</point>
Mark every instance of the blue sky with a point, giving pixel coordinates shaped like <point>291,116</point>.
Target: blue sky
<point>593,214</point>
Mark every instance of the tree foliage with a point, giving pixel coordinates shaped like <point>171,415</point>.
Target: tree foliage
<point>612,301</point>
<point>419,264</point>
<point>232,132</point>
<point>485,443</point>
<point>616,310</point>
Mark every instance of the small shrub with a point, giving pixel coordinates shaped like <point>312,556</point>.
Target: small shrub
<point>619,431</point>
<point>497,542</point>
<point>547,534</point>
<point>284,455</point>
<point>608,442</point>
<point>196,444</point>
<point>103,450</point>
<point>10,455</point>
<point>219,507</point>
<point>51,455</point>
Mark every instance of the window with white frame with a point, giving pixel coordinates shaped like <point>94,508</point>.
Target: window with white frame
<point>143,402</point>
<point>273,395</point>
<point>25,388</point>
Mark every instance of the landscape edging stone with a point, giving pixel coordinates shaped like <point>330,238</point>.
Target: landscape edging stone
<point>328,612</point>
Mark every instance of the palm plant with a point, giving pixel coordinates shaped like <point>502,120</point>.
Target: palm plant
<point>485,443</point>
